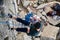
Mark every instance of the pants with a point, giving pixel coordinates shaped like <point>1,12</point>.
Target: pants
<point>21,29</point>
<point>23,21</point>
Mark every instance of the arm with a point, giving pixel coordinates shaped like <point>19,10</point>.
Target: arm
<point>28,29</point>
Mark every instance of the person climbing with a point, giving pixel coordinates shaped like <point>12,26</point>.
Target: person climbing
<point>32,30</point>
<point>53,15</point>
<point>56,7</point>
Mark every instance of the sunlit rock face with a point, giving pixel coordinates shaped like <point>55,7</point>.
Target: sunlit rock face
<point>58,35</point>
<point>7,34</point>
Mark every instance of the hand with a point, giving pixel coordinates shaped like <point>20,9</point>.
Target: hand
<point>46,24</point>
<point>38,30</point>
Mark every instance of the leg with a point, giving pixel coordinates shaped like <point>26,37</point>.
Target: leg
<point>23,21</point>
<point>19,20</point>
<point>21,29</point>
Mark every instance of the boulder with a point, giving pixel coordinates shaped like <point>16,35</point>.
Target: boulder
<point>50,32</point>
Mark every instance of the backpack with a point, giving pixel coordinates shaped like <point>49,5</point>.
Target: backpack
<point>33,31</point>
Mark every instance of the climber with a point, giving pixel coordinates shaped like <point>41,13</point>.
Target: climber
<point>34,25</point>
<point>52,13</point>
<point>56,7</point>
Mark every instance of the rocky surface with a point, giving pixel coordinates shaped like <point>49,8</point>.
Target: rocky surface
<point>49,32</point>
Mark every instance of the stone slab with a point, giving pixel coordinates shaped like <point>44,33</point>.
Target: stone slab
<point>50,31</point>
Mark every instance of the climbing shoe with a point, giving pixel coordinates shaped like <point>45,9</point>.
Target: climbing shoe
<point>10,15</point>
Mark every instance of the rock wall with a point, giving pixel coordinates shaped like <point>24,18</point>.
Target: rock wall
<point>49,32</point>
